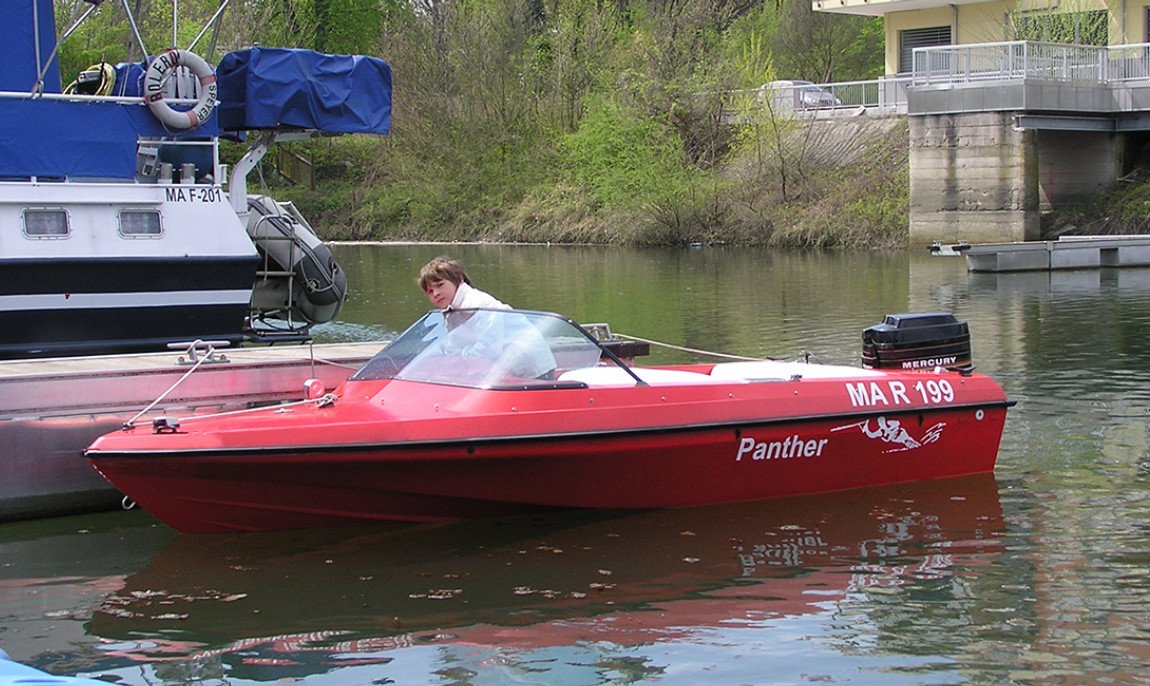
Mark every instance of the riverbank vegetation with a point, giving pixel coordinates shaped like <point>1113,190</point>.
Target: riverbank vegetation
<point>1124,210</point>
<point>631,122</point>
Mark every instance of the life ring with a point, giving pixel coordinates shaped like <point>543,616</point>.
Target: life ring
<point>157,76</point>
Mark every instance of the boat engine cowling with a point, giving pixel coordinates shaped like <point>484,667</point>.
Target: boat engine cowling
<point>299,279</point>
<point>917,341</point>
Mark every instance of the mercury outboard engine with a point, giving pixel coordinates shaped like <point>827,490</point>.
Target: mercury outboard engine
<point>918,341</point>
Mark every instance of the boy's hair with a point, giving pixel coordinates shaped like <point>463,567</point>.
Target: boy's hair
<point>443,269</point>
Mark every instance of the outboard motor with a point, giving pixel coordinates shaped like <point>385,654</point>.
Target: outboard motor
<point>300,279</point>
<point>919,341</point>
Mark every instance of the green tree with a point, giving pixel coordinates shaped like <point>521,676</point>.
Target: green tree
<point>573,58</point>
<point>825,47</point>
<point>517,113</point>
<point>346,26</point>
<point>623,157</point>
<point>106,35</point>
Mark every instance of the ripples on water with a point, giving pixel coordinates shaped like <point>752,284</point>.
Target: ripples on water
<point>1036,576</point>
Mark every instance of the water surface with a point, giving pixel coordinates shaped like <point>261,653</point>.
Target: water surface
<point>1039,574</point>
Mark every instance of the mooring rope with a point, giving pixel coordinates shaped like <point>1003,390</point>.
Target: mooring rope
<point>323,399</point>
<point>171,388</point>
<point>333,363</point>
<point>131,422</point>
<point>693,350</point>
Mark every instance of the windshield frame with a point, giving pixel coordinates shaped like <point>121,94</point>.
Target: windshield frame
<point>491,349</point>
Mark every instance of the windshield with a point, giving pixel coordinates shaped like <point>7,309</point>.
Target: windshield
<point>485,349</point>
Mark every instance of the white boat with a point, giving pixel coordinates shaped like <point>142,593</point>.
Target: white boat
<point>118,235</point>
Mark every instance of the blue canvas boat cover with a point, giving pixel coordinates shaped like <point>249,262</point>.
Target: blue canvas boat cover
<point>97,140</point>
<point>28,33</point>
<point>270,88</point>
<point>55,139</point>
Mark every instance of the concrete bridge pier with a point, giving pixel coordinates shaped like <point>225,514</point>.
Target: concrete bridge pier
<point>988,176</point>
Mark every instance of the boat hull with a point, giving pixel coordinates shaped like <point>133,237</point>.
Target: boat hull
<point>51,409</point>
<point>706,447</point>
<point>57,307</point>
<point>94,289</point>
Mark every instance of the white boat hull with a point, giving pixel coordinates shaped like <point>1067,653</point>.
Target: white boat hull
<point>92,285</point>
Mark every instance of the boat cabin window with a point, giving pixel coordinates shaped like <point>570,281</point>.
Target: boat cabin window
<point>140,224</point>
<point>485,349</point>
<point>46,224</point>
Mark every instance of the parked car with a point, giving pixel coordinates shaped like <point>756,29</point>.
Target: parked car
<point>802,94</point>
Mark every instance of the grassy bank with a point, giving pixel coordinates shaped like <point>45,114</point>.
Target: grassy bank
<point>840,183</point>
<point>1125,210</point>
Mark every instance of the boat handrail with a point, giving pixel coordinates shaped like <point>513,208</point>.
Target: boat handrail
<point>80,97</point>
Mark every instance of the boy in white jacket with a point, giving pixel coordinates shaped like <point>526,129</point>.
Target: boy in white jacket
<point>445,282</point>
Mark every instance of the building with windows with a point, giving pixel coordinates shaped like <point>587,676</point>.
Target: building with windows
<point>1021,107</point>
<point>914,24</point>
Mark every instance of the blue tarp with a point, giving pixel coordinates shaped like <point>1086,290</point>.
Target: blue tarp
<point>57,138</point>
<point>19,20</point>
<point>129,79</point>
<point>260,88</point>
<point>269,88</point>
<point>16,674</point>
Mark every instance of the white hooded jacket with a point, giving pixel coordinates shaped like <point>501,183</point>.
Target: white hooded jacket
<point>467,297</point>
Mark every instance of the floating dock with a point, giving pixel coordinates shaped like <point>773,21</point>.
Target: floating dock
<point>52,409</point>
<point>1068,252</point>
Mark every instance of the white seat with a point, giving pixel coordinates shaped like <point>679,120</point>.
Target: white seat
<point>616,376</point>
<point>768,370</point>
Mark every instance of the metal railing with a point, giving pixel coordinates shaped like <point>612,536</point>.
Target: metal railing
<point>1021,60</point>
<point>886,94</point>
<point>1126,66</point>
<point>1129,62</point>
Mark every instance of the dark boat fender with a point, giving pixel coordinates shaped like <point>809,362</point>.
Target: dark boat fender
<point>318,284</point>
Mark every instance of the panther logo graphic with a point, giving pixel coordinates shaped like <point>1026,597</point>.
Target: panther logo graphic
<point>891,431</point>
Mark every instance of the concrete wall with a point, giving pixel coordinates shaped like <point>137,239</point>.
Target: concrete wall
<point>973,177</point>
<point>976,177</point>
<point>1075,166</point>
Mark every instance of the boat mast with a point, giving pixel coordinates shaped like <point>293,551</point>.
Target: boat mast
<point>38,89</point>
<point>212,23</point>
<point>136,30</point>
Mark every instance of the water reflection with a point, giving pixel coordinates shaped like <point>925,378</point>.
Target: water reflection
<point>55,572</point>
<point>1067,597</point>
<point>1075,349</point>
<point>500,594</point>
<point>1072,348</point>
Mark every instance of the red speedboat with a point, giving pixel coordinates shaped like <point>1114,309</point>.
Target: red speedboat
<point>480,413</point>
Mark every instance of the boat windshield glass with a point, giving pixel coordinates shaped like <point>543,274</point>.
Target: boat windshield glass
<point>485,349</point>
